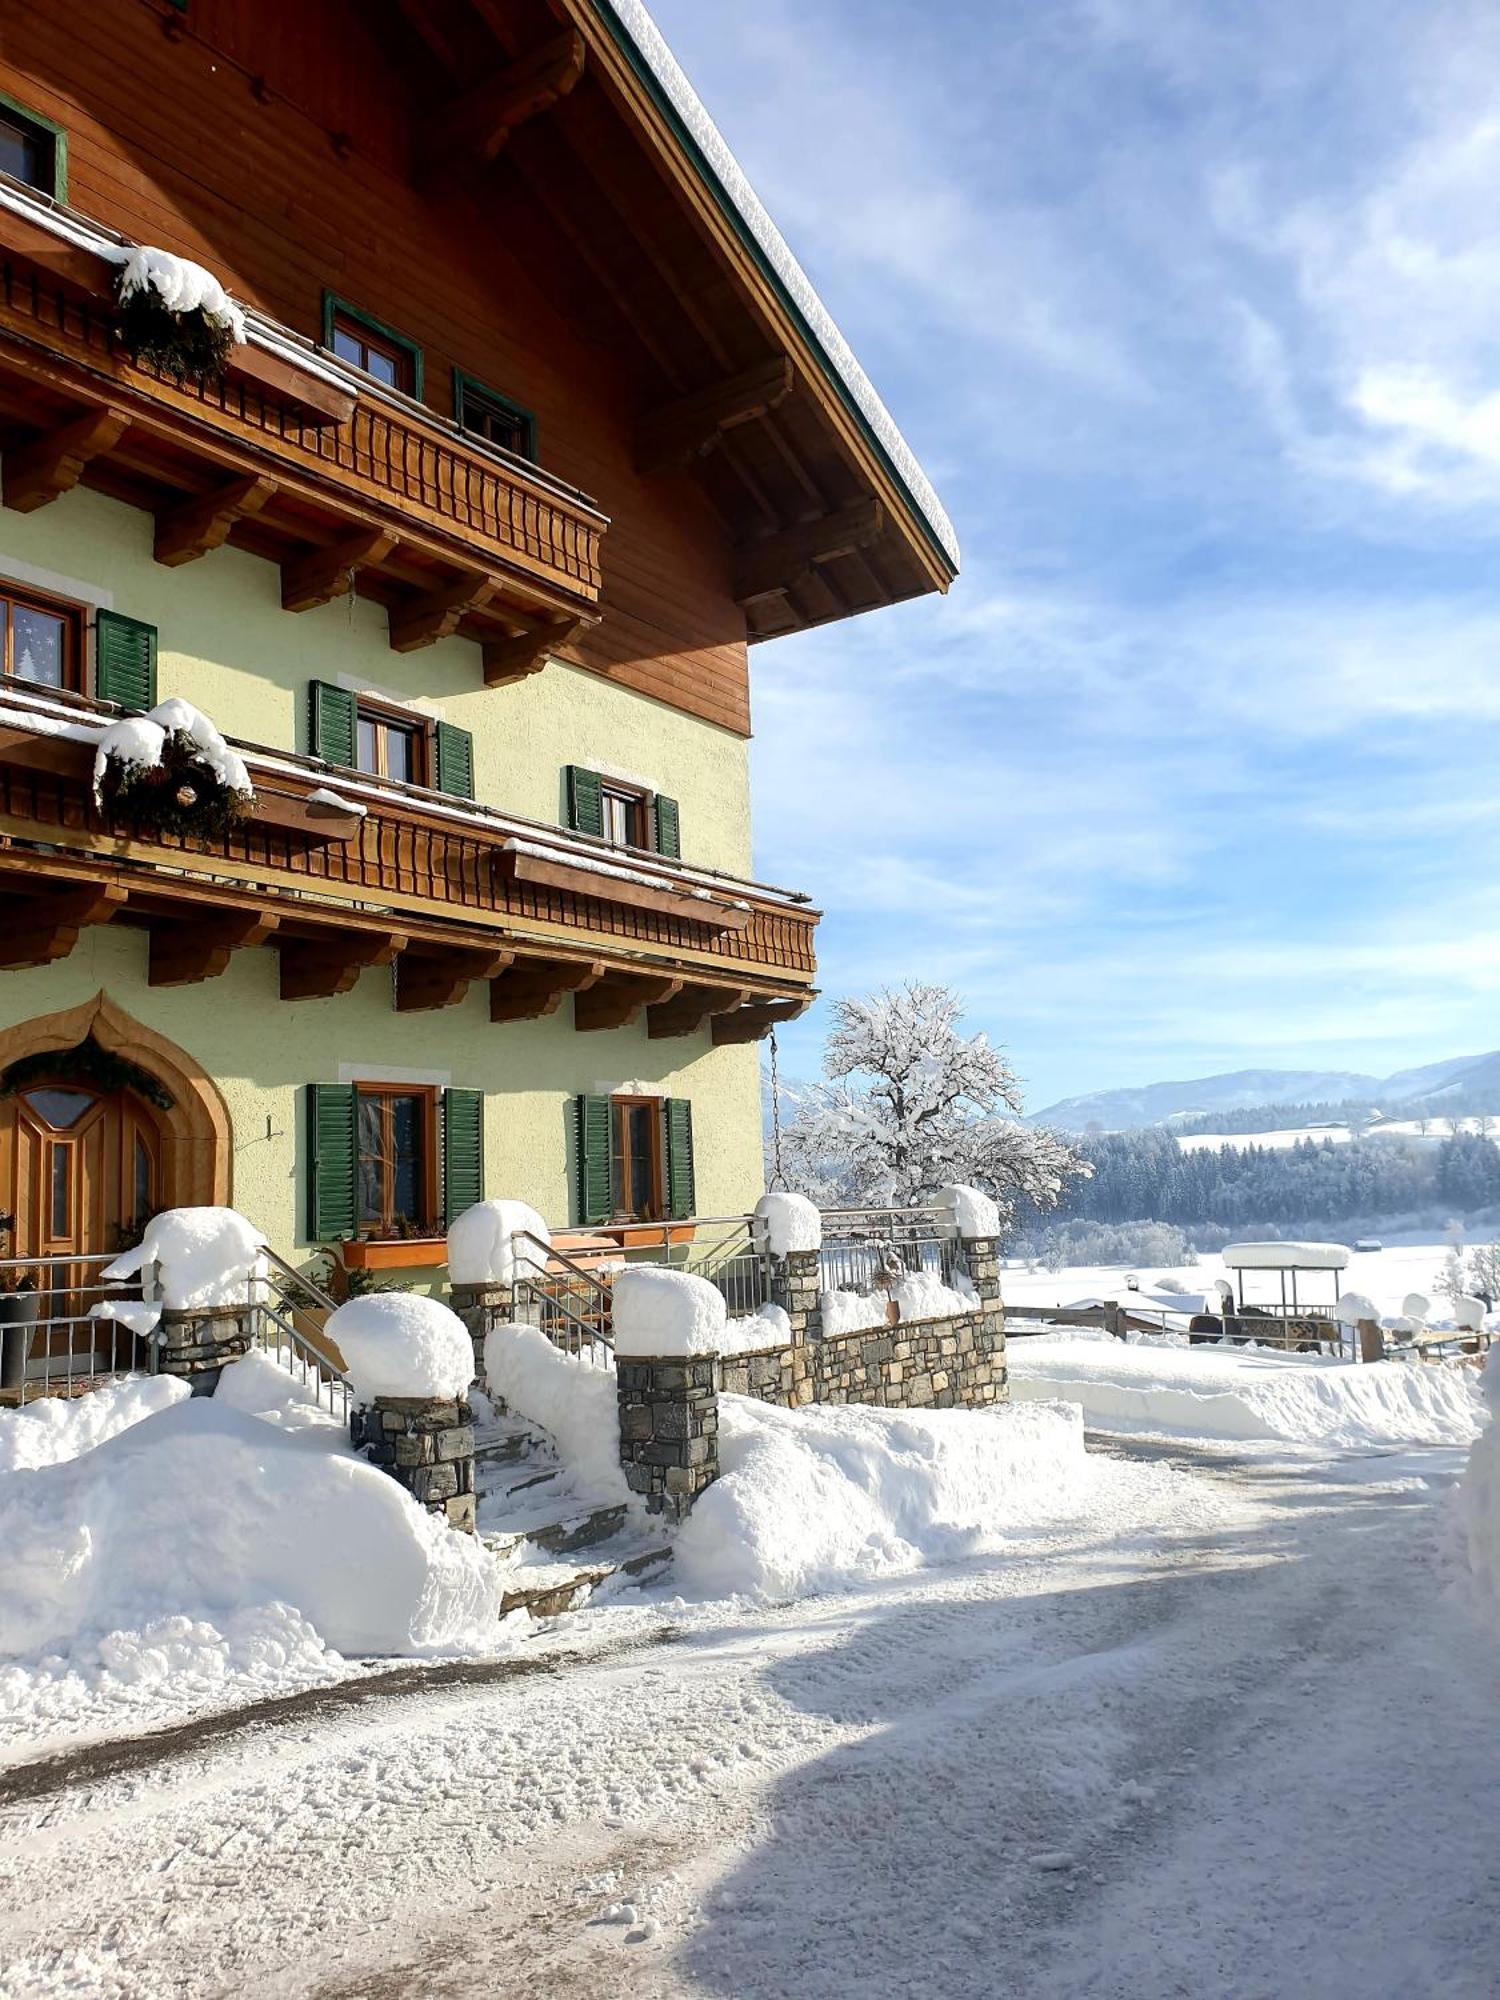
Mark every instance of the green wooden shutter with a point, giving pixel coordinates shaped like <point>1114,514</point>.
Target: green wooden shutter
<point>682,1192</point>
<point>331,724</point>
<point>455,761</point>
<point>596,1195</point>
<point>585,801</point>
<point>125,661</point>
<point>463,1152</point>
<point>668,832</point>
<point>331,1161</point>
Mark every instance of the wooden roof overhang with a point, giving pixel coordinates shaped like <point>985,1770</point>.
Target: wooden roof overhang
<point>549,105</point>
<point>446,896</point>
<point>344,488</point>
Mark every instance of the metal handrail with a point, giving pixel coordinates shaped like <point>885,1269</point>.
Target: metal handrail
<point>551,1254</point>
<point>309,1285</point>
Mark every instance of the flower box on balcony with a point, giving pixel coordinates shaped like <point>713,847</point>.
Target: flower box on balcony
<point>398,1253</point>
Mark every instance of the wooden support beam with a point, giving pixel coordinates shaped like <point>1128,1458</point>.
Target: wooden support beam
<point>36,930</point>
<point>619,999</point>
<point>471,129</point>
<point>193,527</point>
<point>317,968</point>
<point>767,567</point>
<point>678,432</point>
<point>323,574</point>
<point>536,987</point>
<point>691,1008</point>
<point>507,660</point>
<point>748,1024</point>
<point>422,621</point>
<point>183,954</point>
<point>36,473</point>
<point>425,982</point>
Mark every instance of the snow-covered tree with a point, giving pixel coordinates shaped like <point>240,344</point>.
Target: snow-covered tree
<point>912,1105</point>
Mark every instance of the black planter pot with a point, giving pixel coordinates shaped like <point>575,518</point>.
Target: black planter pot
<point>19,1312</point>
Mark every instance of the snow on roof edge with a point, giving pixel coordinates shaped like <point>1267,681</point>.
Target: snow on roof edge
<point>728,176</point>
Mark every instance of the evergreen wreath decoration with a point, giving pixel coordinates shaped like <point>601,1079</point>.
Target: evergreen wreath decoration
<point>192,346</point>
<point>85,1063</point>
<point>180,795</point>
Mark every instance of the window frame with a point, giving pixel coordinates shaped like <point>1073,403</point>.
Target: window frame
<point>388,715</point>
<point>74,618</point>
<point>637,801</point>
<point>465,386</point>
<point>368,328</point>
<point>386,1229</point>
<point>56,136</point>
<point>619,1149</point>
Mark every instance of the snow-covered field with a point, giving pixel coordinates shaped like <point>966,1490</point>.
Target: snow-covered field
<point>1414,1131</point>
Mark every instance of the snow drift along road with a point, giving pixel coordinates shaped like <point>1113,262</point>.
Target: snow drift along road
<point>1227,1392</point>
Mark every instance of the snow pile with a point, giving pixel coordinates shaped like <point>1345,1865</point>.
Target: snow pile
<point>139,742</point>
<point>401,1344</point>
<point>181,285</point>
<point>482,1249</point>
<point>135,1314</point>
<point>1354,1307</point>
<point>1478,1497</point>
<point>1469,1313</point>
<point>336,802</point>
<point>918,1294</point>
<point>969,1212</point>
<point>769,1327</point>
<point>1416,1306</point>
<point>1285,1256</point>
<point>1219,1392</point>
<point>574,1401</point>
<point>200,1256</point>
<point>814,1499</point>
<point>657,1311</point>
<point>201,1512</point>
<point>788,1222</point>
<point>57,1428</point>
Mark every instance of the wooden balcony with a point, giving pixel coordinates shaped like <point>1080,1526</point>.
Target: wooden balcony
<point>345,485</point>
<point>449,894</point>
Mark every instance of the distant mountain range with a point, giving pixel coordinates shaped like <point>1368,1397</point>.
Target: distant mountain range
<point>1244,1089</point>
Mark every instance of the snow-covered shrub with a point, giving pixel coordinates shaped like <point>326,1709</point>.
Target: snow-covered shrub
<point>175,316</point>
<point>482,1249</point>
<point>401,1344</point>
<point>170,772</point>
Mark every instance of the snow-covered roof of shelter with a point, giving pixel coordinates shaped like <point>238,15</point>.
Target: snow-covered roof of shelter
<point>1286,1256</point>
<point>726,177</point>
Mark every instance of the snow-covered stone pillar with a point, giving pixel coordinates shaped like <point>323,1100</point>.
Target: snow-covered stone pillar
<point>198,1346</point>
<point>491,1247</point>
<point>410,1362</point>
<point>975,1221</point>
<point>669,1327</point>
<point>204,1270</point>
<point>790,1229</point>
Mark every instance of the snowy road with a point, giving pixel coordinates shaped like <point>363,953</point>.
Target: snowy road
<point>1230,1733</point>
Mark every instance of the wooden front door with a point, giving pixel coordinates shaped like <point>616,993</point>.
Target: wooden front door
<point>87,1169</point>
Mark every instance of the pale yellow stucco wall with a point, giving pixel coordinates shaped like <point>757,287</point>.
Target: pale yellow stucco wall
<point>226,645</point>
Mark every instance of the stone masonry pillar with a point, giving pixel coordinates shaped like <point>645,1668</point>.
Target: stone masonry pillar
<point>669,1428</point>
<point>982,1258</point>
<point>428,1446</point>
<point>197,1346</point>
<point>482,1307</point>
<point>797,1287</point>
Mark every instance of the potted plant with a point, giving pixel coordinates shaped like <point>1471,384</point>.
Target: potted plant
<point>20,1305</point>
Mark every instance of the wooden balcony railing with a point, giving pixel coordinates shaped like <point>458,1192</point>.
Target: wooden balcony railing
<point>451,892</point>
<point>422,511</point>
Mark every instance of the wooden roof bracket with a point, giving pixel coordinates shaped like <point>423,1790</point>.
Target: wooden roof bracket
<point>472,128</point>
<point>426,981</point>
<point>35,474</point>
<point>324,574</point>
<point>192,527</point>
<point>38,930</point>
<point>779,561</point>
<point>527,652</point>
<point>676,433</point>
<point>749,1024</point>
<point>184,953</point>
<point>536,988</point>
<point>691,1009</point>
<point>317,968</point>
<point>425,620</point>
<point>619,999</point>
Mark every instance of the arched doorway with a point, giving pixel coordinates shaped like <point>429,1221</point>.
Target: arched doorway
<point>87,1162</point>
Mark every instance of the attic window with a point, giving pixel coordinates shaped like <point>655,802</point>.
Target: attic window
<point>382,353</point>
<point>33,150</point>
<point>485,413</point>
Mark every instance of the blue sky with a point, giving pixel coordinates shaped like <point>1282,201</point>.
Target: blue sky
<point>1192,312</point>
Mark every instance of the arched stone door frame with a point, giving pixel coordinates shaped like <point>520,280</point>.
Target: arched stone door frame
<point>197,1153</point>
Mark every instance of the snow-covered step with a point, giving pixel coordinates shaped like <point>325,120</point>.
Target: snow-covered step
<point>564,1535</point>
<point>547,1589</point>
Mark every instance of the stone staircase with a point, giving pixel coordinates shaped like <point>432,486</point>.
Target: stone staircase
<point>557,1549</point>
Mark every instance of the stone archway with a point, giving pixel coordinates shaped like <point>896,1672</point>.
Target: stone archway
<point>195,1129</point>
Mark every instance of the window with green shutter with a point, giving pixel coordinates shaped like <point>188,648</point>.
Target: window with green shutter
<point>596,1200</point>
<point>125,660</point>
<point>455,761</point>
<point>463,1152</point>
<point>585,801</point>
<point>682,1191</point>
<point>330,734</point>
<point>668,835</point>
<point>331,1162</point>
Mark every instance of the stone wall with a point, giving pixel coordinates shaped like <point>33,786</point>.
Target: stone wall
<point>930,1364</point>
<point>669,1429</point>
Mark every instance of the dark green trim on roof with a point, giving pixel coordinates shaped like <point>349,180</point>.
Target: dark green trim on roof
<point>59,137</point>
<point>332,304</point>
<point>628,46</point>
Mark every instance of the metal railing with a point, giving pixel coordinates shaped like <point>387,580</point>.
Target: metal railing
<point>283,1293</point>
<point>728,1250</point>
<point>567,1300</point>
<point>53,1341</point>
<point>865,1248</point>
